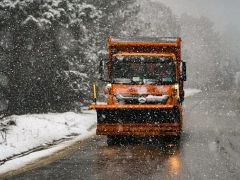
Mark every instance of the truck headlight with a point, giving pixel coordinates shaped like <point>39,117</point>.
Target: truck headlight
<point>107,89</point>
<point>176,90</point>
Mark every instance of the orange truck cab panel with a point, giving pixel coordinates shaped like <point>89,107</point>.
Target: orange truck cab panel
<point>145,89</point>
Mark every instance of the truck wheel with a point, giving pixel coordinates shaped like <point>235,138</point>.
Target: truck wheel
<point>112,140</point>
<point>173,139</point>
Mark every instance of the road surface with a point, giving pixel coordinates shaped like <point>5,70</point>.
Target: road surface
<point>209,149</point>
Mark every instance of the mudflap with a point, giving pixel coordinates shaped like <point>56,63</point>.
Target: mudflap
<point>139,122</point>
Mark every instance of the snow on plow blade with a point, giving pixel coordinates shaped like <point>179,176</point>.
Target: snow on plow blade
<point>142,122</point>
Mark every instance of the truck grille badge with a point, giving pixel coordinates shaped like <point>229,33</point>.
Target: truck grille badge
<point>142,100</point>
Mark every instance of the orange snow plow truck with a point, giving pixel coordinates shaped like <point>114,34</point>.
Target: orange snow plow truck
<point>145,88</point>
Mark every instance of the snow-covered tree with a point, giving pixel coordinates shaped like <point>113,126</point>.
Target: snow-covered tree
<point>154,20</point>
<point>203,52</point>
<point>231,64</point>
<point>38,65</point>
<point>115,14</point>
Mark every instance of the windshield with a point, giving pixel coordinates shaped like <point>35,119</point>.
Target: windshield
<point>144,70</point>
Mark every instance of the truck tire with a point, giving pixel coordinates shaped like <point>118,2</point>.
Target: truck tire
<point>173,139</point>
<point>113,140</point>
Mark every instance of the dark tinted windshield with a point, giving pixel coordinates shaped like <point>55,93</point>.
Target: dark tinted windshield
<point>143,70</point>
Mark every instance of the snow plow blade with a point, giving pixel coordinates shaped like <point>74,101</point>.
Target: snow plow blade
<point>139,122</point>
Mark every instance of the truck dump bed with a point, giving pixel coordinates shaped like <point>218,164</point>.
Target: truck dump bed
<point>145,45</point>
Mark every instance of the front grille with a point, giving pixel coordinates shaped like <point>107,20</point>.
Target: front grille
<point>138,115</point>
<point>141,99</point>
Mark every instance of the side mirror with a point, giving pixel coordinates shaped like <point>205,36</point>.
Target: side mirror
<point>184,71</point>
<point>102,70</point>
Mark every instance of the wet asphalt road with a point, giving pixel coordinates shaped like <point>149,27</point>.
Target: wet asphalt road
<point>209,149</point>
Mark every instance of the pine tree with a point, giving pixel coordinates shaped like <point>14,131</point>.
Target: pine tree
<point>37,70</point>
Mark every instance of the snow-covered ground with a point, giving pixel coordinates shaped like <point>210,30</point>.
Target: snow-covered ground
<point>37,130</point>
